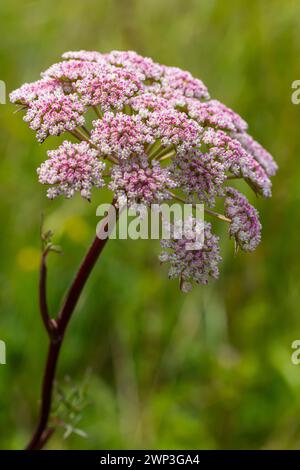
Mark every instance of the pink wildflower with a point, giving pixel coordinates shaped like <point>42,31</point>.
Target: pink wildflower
<point>72,168</point>
<point>245,226</point>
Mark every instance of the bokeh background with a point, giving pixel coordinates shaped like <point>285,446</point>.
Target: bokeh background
<point>143,365</point>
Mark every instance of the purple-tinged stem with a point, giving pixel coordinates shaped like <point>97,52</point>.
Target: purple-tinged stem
<point>56,330</point>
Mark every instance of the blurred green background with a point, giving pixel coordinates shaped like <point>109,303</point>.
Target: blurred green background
<point>208,370</point>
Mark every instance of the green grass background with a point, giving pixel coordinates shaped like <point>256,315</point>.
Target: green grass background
<point>208,370</point>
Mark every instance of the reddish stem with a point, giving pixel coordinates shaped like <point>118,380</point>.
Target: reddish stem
<point>56,330</point>
<point>49,323</point>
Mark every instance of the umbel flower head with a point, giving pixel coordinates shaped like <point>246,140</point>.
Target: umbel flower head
<point>159,137</point>
<point>71,168</point>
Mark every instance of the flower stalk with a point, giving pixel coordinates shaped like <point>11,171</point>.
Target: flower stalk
<point>56,329</point>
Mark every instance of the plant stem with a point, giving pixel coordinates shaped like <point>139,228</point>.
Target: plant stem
<point>57,333</point>
<point>161,151</point>
<point>217,215</point>
<point>97,111</point>
<point>85,129</point>
<point>167,155</point>
<point>48,323</point>
<point>80,136</point>
<point>207,211</point>
<point>37,440</point>
<point>234,177</point>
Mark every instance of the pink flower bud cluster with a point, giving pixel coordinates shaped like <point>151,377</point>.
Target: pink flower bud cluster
<point>176,80</point>
<point>71,168</point>
<point>110,87</point>
<point>226,149</point>
<point>201,177</point>
<point>121,135</point>
<point>245,226</point>
<point>141,182</point>
<point>143,66</point>
<point>172,127</point>
<point>212,113</point>
<point>158,134</point>
<point>54,113</point>
<point>190,265</point>
<point>263,157</point>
